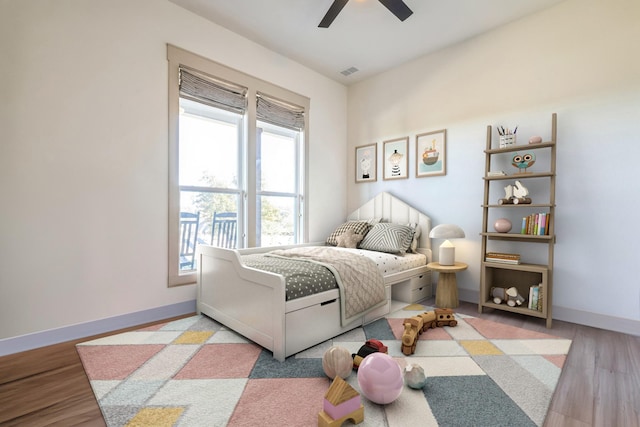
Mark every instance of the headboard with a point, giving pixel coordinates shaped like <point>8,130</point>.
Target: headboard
<point>392,209</point>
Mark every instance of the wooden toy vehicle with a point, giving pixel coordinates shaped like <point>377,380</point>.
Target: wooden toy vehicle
<point>370,346</point>
<point>445,317</point>
<point>413,327</point>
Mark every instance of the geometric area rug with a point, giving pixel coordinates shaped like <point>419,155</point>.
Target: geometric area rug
<point>196,372</point>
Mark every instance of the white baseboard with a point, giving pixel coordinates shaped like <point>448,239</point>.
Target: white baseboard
<point>600,321</point>
<point>96,327</point>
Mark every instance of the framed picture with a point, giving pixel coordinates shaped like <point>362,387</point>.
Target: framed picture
<point>431,153</point>
<point>396,158</point>
<point>367,163</point>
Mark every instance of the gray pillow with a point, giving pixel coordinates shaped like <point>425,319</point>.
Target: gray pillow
<point>358,227</point>
<point>388,237</point>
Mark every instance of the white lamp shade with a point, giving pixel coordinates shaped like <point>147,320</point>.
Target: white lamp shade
<point>446,231</point>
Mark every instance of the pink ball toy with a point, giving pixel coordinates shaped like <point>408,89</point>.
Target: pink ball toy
<point>380,378</point>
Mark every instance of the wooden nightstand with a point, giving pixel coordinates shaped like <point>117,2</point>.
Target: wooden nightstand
<point>447,290</point>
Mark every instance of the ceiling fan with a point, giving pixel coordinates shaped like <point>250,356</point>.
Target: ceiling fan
<point>397,7</point>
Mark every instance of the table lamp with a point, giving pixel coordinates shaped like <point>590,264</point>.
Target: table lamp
<point>447,253</point>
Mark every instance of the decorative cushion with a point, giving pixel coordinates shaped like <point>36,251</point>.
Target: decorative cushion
<point>349,239</point>
<point>358,227</point>
<point>388,237</point>
<point>417,231</point>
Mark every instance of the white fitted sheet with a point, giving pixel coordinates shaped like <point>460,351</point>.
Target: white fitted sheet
<point>391,263</point>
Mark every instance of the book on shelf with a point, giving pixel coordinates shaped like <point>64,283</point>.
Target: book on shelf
<point>540,297</point>
<point>502,260</point>
<point>535,297</point>
<point>502,257</point>
<point>536,224</point>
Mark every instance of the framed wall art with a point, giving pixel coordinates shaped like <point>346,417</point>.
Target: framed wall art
<point>367,163</point>
<point>396,158</point>
<point>431,153</point>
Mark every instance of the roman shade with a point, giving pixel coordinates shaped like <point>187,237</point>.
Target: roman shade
<point>211,91</point>
<point>279,112</point>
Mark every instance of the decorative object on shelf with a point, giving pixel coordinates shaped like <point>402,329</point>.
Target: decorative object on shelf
<point>515,194</point>
<point>507,138</point>
<point>447,253</point>
<point>367,163</point>
<point>523,161</point>
<point>502,225</point>
<point>396,161</point>
<point>431,153</point>
<point>337,362</point>
<point>380,378</point>
<point>535,140</point>
<point>414,376</point>
<point>509,295</point>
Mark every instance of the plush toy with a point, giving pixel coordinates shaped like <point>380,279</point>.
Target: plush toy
<point>509,295</point>
<point>370,346</point>
<point>349,239</point>
<point>499,295</point>
<point>514,297</point>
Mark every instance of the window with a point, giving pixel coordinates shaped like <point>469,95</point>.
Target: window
<point>236,162</point>
<point>278,200</point>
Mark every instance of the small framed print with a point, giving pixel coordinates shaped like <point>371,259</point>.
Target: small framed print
<point>396,161</point>
<point>431,153</point>
<point>367,163</point>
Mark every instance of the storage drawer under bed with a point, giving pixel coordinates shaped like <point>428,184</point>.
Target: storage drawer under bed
<point>414,289</point>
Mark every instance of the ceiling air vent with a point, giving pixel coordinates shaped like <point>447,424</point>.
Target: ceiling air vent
<point>348,71</point>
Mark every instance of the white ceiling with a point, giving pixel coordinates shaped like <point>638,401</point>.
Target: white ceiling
<point>365,35</point>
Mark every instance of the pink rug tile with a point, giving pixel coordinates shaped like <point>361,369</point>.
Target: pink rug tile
<point>280,402</point>
<point>557,359</point>
<point>495,330</point>
<point>115,362</point>
<point>221,361</point>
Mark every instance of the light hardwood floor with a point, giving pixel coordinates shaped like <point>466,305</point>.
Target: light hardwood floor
<point>599,384</point>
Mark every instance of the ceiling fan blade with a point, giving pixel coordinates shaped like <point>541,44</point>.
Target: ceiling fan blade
<point>398,8</point>
<point>333,11</point>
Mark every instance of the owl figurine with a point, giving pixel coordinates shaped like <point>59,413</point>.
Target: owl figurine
<point>523,161</point>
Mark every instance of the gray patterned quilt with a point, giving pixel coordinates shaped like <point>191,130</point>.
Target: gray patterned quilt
<point>312,269</point>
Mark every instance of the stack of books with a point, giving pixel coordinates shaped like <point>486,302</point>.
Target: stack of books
<point>536,224</point>
<point>502,257</point>
<point>536,297</point>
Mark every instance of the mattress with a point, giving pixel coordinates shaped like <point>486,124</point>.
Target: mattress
<point>303,278</point>
<point>391,263</point>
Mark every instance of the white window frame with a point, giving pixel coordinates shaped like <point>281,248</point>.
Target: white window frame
<point>176,57</point>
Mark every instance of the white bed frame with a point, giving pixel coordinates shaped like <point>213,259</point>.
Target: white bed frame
<point>252,302</point>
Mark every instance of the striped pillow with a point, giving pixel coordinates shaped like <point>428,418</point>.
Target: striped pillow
<point>358,227</point>
<point>388,237</point>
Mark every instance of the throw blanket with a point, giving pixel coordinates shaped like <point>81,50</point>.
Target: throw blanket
<point>361,284</point>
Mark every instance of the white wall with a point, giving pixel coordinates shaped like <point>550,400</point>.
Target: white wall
<point>577,59</point>
<point>83,154</point>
